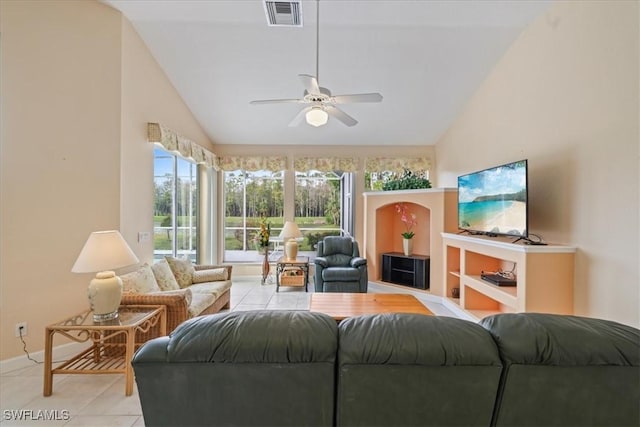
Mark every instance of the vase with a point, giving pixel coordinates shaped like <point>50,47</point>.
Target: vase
<point>265,266</point>
<point>407,246</point>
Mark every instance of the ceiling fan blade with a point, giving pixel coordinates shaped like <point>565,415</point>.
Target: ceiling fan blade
<point>299,117</point>
<point>337,113</point>
<point>310,83</point>
<point>358,97</point>
<point>278,101</point>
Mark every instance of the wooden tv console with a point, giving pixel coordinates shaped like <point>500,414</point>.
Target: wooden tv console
<point>544,275</point>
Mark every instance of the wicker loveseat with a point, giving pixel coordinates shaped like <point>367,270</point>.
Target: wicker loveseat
<point>187,290</point>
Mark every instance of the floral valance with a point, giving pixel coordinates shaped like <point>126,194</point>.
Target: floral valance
<point>253,163</point>
<point>157,133</point>
<point>396,164</point>
<point>326,164</point>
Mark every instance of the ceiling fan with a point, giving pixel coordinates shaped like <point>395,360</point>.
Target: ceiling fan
<point>320,103</point>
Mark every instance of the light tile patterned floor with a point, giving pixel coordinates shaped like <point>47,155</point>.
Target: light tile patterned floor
<point>99,400</point>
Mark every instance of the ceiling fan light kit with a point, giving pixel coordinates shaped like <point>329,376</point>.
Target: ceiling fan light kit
<point>321,104</point>
<point>317,116</point>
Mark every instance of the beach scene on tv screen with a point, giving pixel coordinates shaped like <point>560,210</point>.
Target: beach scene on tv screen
<point>494,200</point>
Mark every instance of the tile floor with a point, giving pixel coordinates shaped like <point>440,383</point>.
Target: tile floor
<point>99,400</point>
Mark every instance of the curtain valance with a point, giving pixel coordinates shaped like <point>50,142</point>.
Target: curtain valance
<point>157,133</point>
<point>326,164</point>
<point>396,164</point>
<point>253,163</point>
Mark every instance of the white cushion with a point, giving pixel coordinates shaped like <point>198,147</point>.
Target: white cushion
<point>212,288</point>
<point>199,303</point>
<point>182,269</point>
<point>212,275</point>
<point>141,281</point>
<point>164,276</point>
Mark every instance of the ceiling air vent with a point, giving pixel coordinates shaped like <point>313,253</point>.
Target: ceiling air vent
<point>283,13</point>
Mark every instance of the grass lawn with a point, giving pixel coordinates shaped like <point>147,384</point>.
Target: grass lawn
<point>233,238</point>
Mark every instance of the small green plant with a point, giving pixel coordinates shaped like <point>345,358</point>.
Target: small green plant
<point>408,180</point>
<point>262,237</point>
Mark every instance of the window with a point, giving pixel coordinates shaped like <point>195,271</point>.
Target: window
<point>374,181</point>
<point>379,170</point>
<point>322,206</point>
<point>175,206</point>
<point>249,196</point>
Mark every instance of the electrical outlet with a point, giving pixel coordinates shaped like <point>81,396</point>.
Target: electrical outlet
<point>21,329</point>
<point>144,236</point>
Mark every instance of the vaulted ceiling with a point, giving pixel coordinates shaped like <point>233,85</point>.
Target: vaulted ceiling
<point>427,58</point>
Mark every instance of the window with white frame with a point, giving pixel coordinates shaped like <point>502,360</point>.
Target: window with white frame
<point>175,206</point>
<point>249,196</point>
<point>322,206</point>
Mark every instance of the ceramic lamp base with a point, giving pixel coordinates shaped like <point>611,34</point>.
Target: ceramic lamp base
<point>291,247</point>
<point>105,293</point>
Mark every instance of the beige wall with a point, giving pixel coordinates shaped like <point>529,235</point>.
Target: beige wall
<point>77,88</point>
<point>565,96</point>
<point>147,96</point>
<point>60,156</point>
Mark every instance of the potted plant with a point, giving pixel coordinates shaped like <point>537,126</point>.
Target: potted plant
<point>409,180</point>
<point>409,221</point>
<point>262,240</point>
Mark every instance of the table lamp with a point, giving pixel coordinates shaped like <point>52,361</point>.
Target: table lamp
<point>104,251</point>
<point>290,232</point>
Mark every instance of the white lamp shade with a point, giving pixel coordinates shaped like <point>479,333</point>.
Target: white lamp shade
<point>104,250</point>
<point>290,231</point>
<point>317,117</point>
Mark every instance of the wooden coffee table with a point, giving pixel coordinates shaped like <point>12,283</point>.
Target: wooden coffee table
<point>340,306</point>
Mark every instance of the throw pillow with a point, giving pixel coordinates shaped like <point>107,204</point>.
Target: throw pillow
<point>182,269</point>
<point>140,281</point>
<point>213,275</point>
<point>164,276</point>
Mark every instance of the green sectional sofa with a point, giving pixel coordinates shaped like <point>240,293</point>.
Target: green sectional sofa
<point>295,368</point>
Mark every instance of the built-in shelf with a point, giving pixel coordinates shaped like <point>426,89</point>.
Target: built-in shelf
<point>543,274</point>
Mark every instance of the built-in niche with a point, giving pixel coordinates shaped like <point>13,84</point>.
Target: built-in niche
<point>390,228</point>
<point>436,212</point>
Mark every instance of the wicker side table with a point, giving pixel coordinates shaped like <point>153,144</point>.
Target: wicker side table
<point>103,356</point>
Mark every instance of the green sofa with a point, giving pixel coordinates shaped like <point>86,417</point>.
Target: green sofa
<point>299,368</point>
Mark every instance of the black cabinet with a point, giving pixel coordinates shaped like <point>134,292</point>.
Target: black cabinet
<point>412,270</point>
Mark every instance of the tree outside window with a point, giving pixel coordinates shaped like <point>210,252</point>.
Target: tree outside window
<point>318,207</point>
<point>248,197</point>
<point>175,206</point>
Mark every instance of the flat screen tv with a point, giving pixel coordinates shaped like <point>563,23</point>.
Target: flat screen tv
<point>494,201</point>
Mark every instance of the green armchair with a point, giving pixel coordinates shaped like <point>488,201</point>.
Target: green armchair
<point>339,267</point>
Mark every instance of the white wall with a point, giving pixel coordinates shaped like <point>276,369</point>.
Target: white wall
<point>565,96</point>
